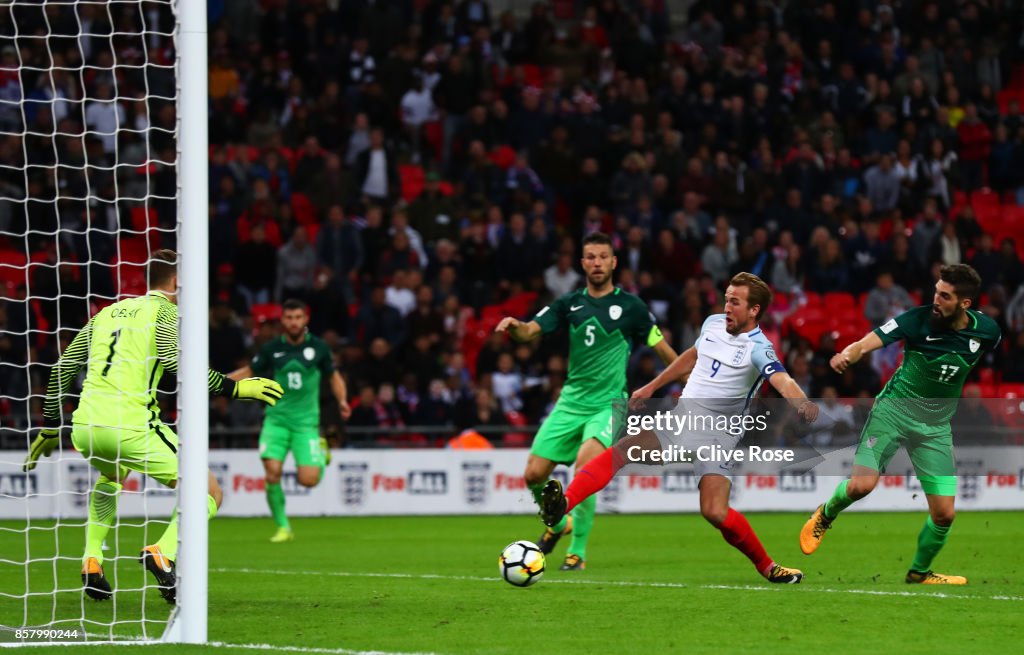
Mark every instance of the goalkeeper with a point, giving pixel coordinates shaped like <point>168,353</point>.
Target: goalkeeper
<point>127,348</point>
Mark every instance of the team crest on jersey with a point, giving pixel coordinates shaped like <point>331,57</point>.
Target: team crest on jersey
<point>309,353</point>
<point>872,441</point>
<point>615,312</point>
<point>975,344</point>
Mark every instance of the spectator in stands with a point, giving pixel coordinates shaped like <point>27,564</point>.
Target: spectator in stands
<point>947,247</point>
<point>975,148</point>
<point>227,343</point>
<point>882,183</point>
<point>417,109</point>
<point>339,248</point>
<point>561,278</point>
<point>400,294</point>
<point>887,300</point>
<point>376,171</point>
<point>426,318</point>
<point>1011,271</point>
<point>432,214</point>
<point>256,268</point>
<point>376,320</point>
<point>826,269</point>
<point>296,268</point>
<point>927,229</point>
<point>864,252</point>
<point>328,309</point>
<point>985,260</point>
<point>718,257</point>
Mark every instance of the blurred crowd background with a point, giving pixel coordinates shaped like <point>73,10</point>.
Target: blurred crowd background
<point>415,170</point>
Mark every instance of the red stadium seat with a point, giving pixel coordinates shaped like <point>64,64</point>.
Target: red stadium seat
<point>263,312</point>
<point>1011,390</point>
<point>312,229</point>
<point>132,249</point>
<point>503,157</point>
<point>303,209</point>
<point>413,179</point>
<point>130,278</point>
<point>812,299</point>
<point>838,300</point>
<point>13,267</point>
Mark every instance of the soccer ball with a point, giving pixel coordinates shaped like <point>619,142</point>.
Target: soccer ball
<point>521,563</point>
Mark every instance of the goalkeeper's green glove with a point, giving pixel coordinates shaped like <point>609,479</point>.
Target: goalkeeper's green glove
<point>258,389</point>
<point>42,447</point>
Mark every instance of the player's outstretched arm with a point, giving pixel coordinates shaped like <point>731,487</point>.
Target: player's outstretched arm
<point>63,373</point>
<point>791,391</point>
<point>680,367</point>
<point>250,388</point>
<point>240,374</point>
<point>71,361</point>
<point>665,352</point>
<point>340,392</point>
<point>855,351</point>
<point>519,330</point>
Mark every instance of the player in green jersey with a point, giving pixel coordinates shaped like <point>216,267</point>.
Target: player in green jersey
<point>298,361</point>
<point>127,347</point>
<point>942,343</point>
<point>604,324</point>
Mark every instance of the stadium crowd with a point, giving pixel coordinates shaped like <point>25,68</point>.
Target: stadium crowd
<point>413,170</point>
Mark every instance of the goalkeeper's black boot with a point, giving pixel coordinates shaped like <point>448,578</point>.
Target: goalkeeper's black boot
<point>550,538</point>
<point>162,569</point>
<point>572,563</point>
<point>96,585</point>
<point>553,505</point>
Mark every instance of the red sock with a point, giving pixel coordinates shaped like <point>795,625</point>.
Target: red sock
<point>593,477</point>
<point>741,536</point>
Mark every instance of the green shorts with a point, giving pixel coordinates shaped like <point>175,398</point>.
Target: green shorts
<point>930,448</point>
<point>115,451</point>
<point>563,432</point>
<point>304,443</point>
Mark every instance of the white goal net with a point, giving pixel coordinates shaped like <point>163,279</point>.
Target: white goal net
<point>88,188</point>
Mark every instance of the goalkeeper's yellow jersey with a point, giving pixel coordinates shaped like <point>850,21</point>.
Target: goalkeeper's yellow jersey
<point>127,347</point>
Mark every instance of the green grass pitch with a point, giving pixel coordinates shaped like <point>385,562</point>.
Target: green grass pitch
<point>654,584</point>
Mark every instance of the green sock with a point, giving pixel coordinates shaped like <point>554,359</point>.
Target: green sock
<point>535,489</point>
<point>838,502</point>
<point>582,522</point>
<point>275,498</point>
<point>929,543</point>
<point>169,539</point>
<point>102,513</point>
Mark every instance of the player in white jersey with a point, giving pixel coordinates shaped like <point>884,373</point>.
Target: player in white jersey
<point>727,366</point>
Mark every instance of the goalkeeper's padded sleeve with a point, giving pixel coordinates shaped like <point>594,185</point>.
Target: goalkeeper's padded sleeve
<point>64,372</point>
<point>167,350</point>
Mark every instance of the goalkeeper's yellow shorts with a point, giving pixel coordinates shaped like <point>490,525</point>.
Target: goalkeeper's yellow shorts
<point>116,451</point>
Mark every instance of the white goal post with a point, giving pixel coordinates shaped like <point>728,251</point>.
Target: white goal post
<point>193,359</point>
<point>103,160</point>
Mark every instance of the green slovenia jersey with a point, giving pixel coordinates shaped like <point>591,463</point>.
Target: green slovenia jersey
<point>935,364</point>
<point>602,333</point>
<point>126,348</point>
<point>299,369</point>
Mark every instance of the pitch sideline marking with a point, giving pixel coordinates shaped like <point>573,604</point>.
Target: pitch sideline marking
<point>622,583</point>
<point>134,641</point>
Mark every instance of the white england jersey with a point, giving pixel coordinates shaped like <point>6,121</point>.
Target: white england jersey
<point>730,368</point>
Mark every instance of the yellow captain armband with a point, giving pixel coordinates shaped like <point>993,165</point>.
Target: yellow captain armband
<point>654,336</point>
